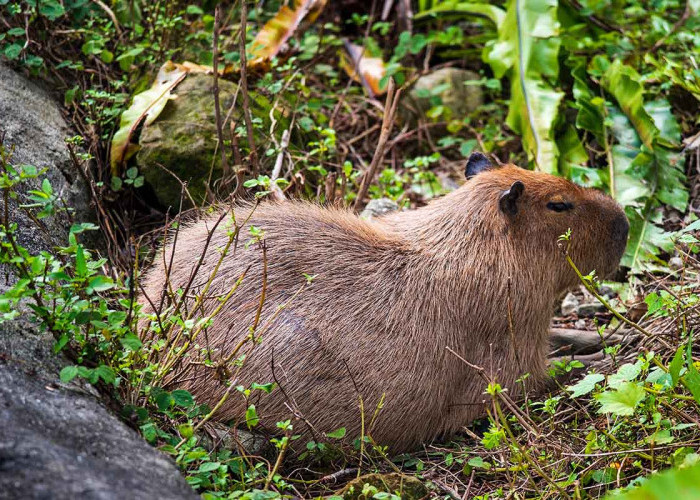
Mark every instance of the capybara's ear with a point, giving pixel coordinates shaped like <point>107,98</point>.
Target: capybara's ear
<point>508,202</point>
<point>477,162</point>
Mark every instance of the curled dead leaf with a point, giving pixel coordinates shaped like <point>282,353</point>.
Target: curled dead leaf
<point>272,37</point>
<point>362,68</point>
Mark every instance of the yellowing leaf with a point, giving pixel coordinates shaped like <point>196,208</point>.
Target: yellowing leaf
<point>148,105</point>
<point>368,71</point>
<point>272,37</point>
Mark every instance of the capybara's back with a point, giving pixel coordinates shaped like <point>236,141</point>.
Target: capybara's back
<point>333,308</point>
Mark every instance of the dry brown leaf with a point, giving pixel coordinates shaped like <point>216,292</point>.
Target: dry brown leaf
<point>368,71</point>
<point>272,37</point>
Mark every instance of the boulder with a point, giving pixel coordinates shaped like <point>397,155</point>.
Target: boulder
<point>569,304</point>
<point>183,138</point>
<point>379,207</point>
<point>35,129</point>
<point>445,87</point>
<point>59,441</point>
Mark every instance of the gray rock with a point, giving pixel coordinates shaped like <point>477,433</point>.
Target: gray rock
<point>607,291</point>
<point>675,263</point>
<point>58,441</point>
<point>222,436</point>
<point>569,304</point>
<point>589,309</point>
<point>34,127</point>
<point>446,87</point>
<point>379,207</point>
<point>580,324</point>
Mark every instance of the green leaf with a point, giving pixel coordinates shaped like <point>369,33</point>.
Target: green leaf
<point>491,12</point>
<point>163,400</point>
<point>13,51</point>
<point>80,265</point>
<point>669,130</point>
<point>675,367</point>
<point>479,463</point>
<point>116,183</point>
<point>99,283</point>
<point>622,401</point>
<point>149,431</point>
<point>209,466</point>
<point>16,32</point>
<point>526,50</point>
<point>624,83</point>
<point>586,385</point>
<point>660,437</point>
<point>131,342</point>
<point>692,378</point>
<point>671,484</point>
<point>337,434</point>
<point>185,430</point>
<point>251,417</point>
<point>267,388</point>
<point>68,373</point>
<point>625,373</point>
<point>106,374</point>
<point>146,106</point>
<point>646,238</point>
<point>46,187</point>
<point>51,9</point>
<point>182,398</point>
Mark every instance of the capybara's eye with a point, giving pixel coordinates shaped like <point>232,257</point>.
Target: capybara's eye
<point>560,206</point>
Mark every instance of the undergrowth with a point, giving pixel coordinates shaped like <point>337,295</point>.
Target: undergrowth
<point>614,89</point>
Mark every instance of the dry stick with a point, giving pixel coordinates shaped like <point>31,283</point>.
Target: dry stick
<point>284,143</point>
<point>217,108</point>
<point>392,100</point>
<point>244,88</point>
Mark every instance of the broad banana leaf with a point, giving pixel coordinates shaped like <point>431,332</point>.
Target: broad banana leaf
<point>495,14</point>
<point>526,50</point>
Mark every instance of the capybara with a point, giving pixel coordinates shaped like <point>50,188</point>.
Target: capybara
<point>477,271</point>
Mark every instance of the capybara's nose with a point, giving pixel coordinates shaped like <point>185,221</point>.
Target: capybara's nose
<point>620,228</point>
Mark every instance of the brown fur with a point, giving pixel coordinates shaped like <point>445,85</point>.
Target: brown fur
<point>388,298</point>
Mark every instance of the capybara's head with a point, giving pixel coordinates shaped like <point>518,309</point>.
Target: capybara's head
<point>536,208</point>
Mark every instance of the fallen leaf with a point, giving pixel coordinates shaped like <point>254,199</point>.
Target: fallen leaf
<point>366,70</point>
<point>272,37</point>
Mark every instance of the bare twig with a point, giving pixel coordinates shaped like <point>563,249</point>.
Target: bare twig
<point>217,107</point>
<point>392,100</point>
<point>244,89</point>
<point>284,143</point>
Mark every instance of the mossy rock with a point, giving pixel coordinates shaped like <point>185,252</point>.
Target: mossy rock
<point>183,138</point>
<point>407,487</point>
<point>448,86</point>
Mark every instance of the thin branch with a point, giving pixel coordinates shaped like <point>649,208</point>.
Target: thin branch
<point>392,100</point>
<point>217,107</point>
<point>244,89</point>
